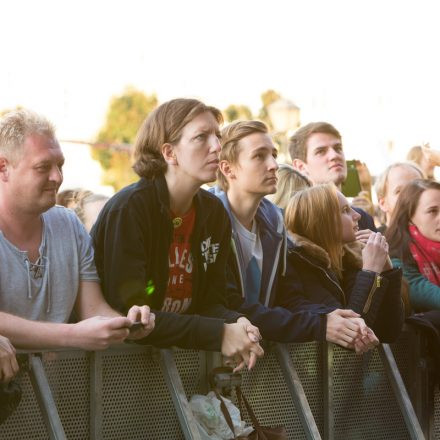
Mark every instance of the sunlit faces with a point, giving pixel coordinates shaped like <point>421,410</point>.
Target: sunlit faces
<point>325,160</point>
<point>398,177</point>
<point>349,220</point>
<point>256,167</point>
<point>34,180</point>
<point>427,214</point>
<point>197,151</point>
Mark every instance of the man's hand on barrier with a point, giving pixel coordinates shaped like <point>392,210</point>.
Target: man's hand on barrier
<point>99,332</point>
<point>8,362</point>
<point>366,342</point>
<point>342,327</point>
<point>144,315</point>
<point>237,345</point>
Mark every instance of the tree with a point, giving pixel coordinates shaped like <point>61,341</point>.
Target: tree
<point>235,112</point>
<point>267,98</point>
<point>124,117</point>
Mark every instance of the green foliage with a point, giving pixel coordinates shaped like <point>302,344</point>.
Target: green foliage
<point>124,117</point>
<point>237,112</point>
<point>267,98</point>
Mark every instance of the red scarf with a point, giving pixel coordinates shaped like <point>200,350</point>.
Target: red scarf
<point>426,253</point>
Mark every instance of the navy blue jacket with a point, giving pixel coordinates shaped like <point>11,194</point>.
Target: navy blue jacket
<point>275,323</point>
<point>311,285</point>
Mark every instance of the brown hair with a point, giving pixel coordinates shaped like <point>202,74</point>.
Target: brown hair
<point>289,182</point>
<point>314,213</point>
<point>165,125</point>
<point>230,140</point>
<point>397,232</point>
<point>298,142</point>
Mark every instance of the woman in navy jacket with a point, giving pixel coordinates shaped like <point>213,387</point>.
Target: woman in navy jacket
<point>328,271</point>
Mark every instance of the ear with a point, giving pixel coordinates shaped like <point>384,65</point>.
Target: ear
<point>226,169</point>
<point>4,169</point>
<point>383,205</point>
<point>300,166</point>
<point>168,154</point>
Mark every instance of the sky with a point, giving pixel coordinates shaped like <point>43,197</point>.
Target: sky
<point>369,67</point>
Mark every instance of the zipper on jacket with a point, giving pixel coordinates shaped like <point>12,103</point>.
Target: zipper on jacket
<point>327,275</point>
<point>234,249</point>
<point>376,284</point>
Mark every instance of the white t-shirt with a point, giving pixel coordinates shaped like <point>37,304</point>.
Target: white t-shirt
<point>252,253</point>
<point>47,290</point>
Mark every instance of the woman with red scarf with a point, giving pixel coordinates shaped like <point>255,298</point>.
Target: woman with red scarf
<point>414,240</point>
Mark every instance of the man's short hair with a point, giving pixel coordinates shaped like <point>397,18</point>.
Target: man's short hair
<point>16,126</point>
<point>298,142</point>
<point>382,180</point>
<point>230,138</point>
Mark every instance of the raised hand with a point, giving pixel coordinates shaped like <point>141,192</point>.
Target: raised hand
<point>375,253</point>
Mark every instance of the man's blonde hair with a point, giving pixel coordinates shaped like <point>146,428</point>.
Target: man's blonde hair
<point>289,182</point>
<point>230,141</point>
<point>314,213</point>
<point>16,126</point>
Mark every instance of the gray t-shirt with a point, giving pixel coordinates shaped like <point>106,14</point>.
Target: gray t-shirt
<point>47,290</point>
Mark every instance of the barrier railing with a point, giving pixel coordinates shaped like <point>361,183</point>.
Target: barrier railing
<point>134,392</point>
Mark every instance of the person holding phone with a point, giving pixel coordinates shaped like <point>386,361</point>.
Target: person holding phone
<point>317,152</point>
<point>47,269</point>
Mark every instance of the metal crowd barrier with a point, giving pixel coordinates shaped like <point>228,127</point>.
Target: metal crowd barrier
<point>315,390</point>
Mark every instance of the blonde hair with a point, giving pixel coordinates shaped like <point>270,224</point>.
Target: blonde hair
<point>314,213</point>
<point>165,125</point>
<point>289,182</point>
<point>415,154</point>
<point>382,180</point>
<point>230,140</point>
<point>16,126</point>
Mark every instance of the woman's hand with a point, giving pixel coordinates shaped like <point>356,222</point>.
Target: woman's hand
<point>375,253</point>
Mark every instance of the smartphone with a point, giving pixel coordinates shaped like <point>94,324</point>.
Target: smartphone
<point>352,185</point>
<point>136,326</point>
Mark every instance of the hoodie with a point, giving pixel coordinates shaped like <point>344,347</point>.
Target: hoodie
<point>275,323</point>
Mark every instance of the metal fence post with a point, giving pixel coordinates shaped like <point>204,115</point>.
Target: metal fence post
<point>95,359</point>
<point>297,392</point>
<point>45,399</point>
<point>175,386</point>
<point>327,374</point>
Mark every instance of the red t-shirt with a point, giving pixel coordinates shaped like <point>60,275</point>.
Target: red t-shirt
<point>179,292</point>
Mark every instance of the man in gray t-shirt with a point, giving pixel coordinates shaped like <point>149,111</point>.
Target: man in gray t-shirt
<point>46,258</point>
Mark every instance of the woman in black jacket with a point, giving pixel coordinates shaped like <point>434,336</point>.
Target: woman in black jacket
<point>349,293</point>
<point>164,242</point>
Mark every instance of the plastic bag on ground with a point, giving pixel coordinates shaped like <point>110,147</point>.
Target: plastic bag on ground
<point>211,422</point>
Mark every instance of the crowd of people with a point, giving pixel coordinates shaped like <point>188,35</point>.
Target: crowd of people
<point>270,251</point>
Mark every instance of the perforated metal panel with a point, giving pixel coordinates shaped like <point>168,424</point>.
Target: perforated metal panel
<point>191,367</point>
<point>364,403</point>
<point>26,422</point>
<point>269,397</point>
<point>136,401</point>
<point>437,413</point>
<point>307,361</point>
<point>68,377</point>
<point>137,404</point>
